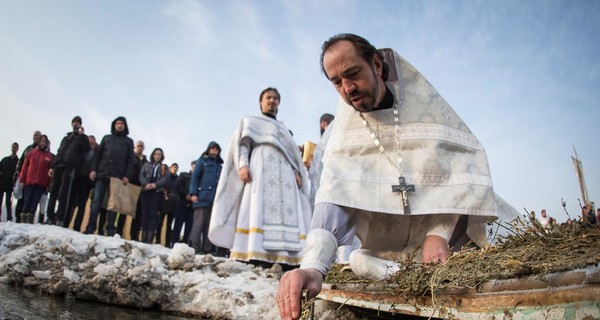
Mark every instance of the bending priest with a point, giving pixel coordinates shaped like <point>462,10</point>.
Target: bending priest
<point>401,170</point>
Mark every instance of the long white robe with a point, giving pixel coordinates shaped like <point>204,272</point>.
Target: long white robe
<point>268,218</point>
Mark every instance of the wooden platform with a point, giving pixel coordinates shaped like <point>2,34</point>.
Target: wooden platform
<point>566,295</point>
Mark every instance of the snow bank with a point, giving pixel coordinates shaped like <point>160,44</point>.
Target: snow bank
<point>129,273</point>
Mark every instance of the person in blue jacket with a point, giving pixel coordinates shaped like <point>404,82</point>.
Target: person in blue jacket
<point>203,187</point>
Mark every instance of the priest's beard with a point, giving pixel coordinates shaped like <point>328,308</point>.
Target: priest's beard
<point>368,97</point>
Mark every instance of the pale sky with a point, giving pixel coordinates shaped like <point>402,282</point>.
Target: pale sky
<point>524,75</point>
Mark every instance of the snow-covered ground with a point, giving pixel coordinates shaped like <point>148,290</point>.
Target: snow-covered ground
<point>130,273</point>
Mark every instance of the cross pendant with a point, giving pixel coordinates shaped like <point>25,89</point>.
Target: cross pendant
<point>404,188</point>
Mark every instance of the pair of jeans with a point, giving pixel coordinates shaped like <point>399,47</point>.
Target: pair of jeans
<point>32,195</point>
<point>199,234</point>
<point>100,189</point>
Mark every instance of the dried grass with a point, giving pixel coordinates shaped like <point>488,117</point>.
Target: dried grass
<point>528,250</point>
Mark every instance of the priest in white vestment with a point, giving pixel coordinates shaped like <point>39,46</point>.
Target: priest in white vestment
<point>401,171</point>
<point>261,210</point>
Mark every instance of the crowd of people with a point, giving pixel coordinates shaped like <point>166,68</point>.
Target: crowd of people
<point>587,217</point>
<point>74,181</point>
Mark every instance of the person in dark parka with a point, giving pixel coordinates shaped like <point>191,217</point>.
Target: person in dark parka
<point>114,158</point>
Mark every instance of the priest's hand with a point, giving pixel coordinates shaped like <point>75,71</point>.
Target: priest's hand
<point>245,174</point>
<point>290,289</point>
<point>435,249</point>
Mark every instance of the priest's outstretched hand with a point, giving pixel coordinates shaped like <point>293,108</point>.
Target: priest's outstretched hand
<point>290,290</point>
<point>435,249</point>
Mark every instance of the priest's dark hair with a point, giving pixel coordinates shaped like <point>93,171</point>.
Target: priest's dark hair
<point>327,117</point>
<point>362,45</point>
<point>262,93</point>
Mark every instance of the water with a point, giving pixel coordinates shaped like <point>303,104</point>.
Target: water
<point>18,303</point>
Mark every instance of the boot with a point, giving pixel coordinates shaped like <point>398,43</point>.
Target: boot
<point>23,217</point>
<point>144,235</point>
<point>41,218</point>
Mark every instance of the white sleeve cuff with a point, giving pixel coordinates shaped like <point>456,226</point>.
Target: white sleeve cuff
<point>442,225</point>
<point>319,251</point>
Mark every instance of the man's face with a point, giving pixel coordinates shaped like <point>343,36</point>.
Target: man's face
<point>358,82</point>
<point>14,148</point>
<point>119,126</point>
<point>93,143</point>
<point>36,137</point>
<point>139,148</point>
<point>269,102</point>
<point>75,124</point>
<point>174,169</point>
<point>323,125</point>
<point>544,213</point>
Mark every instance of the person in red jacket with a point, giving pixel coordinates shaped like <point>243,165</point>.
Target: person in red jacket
<point>34,177</point>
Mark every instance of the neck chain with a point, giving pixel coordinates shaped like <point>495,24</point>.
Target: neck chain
<point>397,164</point>
<point>402,187</point>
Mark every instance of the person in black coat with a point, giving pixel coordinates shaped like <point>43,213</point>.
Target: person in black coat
<point>168,206</point>
<point>184,213</point>
<point>68,160</point>
<point>8,167</point>
<point>154,177</point>
<point>83,184</point>
<point>114,158</point>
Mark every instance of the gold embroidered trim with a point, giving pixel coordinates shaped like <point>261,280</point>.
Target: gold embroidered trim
<point>246,256</point>
<point>261,231</point>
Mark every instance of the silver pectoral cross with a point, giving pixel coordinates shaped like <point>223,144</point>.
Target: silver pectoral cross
<point>404,188</point>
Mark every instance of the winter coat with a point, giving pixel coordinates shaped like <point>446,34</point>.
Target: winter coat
<point>83,173</point>
<point>114,157</point>
<point>182,188</point>
<point>161,180</point>
<point>205,179</point>
<point>72,150</point>
<point>35,168</point>
<point>86,164</point>
<point>138,164</point>
<point>8,165</point>
<point>169,203</point>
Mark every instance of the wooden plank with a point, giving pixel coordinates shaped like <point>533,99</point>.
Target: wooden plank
<point>560,303</point>
<point>571,294</point>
